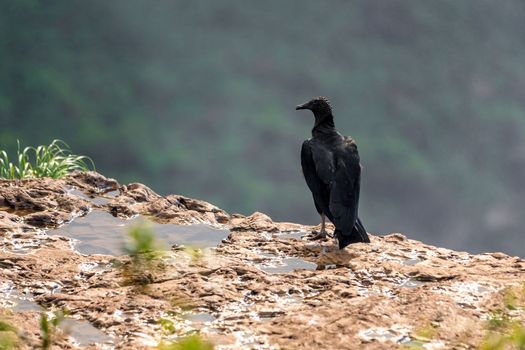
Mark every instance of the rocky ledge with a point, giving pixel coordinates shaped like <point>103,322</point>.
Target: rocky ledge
<point>265,286</point>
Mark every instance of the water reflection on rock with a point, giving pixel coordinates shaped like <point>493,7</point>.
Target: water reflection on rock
<point>101,233</point>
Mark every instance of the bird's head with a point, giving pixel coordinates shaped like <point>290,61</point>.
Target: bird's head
<point>318,105</point>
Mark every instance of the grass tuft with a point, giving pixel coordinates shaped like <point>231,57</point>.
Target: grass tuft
<point>504,329</point>
<point>6,327</point>
<point>48,327</point>
<point>54,160</point>
<point>8,336</point>
<point>145,256</point>
<point>193,342</point>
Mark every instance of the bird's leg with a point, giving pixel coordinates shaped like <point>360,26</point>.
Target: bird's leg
<point>322,234</point>
<point>323,229</point>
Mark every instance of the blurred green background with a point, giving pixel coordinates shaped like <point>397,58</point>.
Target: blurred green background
<point>198,97</point>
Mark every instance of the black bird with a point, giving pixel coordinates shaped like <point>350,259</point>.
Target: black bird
<point>332,171</point>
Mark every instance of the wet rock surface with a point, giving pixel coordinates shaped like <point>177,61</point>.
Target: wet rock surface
<point>264,286</point>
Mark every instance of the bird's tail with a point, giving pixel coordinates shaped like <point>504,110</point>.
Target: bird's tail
<point>358,235</point>
<point>361,231</point>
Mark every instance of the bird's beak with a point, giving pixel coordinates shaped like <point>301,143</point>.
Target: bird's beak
<point>303,106</point>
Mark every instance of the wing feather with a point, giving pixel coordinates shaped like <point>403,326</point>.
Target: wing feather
<point>344,191</point>
<point>316,164</point>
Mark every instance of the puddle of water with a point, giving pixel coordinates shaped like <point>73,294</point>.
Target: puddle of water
<point>287,265</point>
<point>327,267</point>
<point>292,235</point>
<point>112,194</point>
<point>84,333</point>
<point>411,262</point>
<point>90,266</point>
<point>395,334</point>
<point>97,200</point>
<point>250,340</point>
<point>380,334</point>
<point>76,192</point>
<point>25,305</point>
<point>200,317</point>
<point>16,301</point>
<point>280,264</point>
<point>101,233</point>
<point>410,283</point>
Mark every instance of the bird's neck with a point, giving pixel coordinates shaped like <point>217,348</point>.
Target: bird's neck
<point>324,125</point>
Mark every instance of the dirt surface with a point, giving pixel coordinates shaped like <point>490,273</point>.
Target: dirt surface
<point>266,286</point>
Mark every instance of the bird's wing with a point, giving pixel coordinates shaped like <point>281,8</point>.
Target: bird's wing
<point>317,164</point>
<point>344,191</point>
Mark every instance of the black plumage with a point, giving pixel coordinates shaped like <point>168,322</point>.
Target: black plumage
<point>332,171</point>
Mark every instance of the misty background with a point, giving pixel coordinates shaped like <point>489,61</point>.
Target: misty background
<point>198,97</point>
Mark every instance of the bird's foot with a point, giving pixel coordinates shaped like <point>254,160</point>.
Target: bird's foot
<point>318,235</point>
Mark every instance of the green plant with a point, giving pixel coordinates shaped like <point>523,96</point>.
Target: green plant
<point>54,160</point>
<point>167,326</point>
<point>498,319</point>
<point>505,331</point>
<point>48,327</point>
<point>8,336</point>
<point>513,339</point>
<point>196,254</point>
<point>8,341</point>
<point>6,327</point>
<point>193,342</point>
<point>421,336</point>
<point>145,256</point>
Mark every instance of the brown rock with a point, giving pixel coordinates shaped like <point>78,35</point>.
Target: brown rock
<point>266,287</point>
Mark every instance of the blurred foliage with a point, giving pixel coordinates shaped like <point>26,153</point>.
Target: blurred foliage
<point>8,341</point>
<point>6,327</point>
<point>198,98</point>
<point>49,327</point>
<point>196,255</point>
<point>167,326</point>
<point>54,160</point>
<point>193,342</point>
<point>8,336</point>
<point>145,256</point>
<point>505,326</point>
